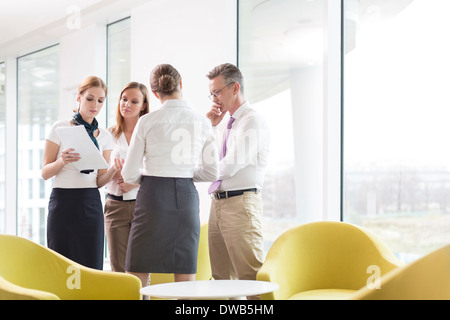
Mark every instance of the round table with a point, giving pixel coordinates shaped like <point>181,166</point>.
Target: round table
<point>209,289</point>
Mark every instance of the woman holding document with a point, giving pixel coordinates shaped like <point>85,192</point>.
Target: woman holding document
<point>75,225</point>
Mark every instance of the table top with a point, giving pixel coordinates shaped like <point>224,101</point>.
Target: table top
<point>209,289</point>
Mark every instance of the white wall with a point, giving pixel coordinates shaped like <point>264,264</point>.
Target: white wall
<point>82,54</point>
<point>194,36</point>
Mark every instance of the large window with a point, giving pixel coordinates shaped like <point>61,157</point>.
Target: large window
<point>280,55</point>
<point>119,52</point>
<point>2,146</point>
<point>37,109</point>
<point>396,154</point>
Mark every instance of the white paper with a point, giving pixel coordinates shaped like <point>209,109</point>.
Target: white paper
<point>77,138</point>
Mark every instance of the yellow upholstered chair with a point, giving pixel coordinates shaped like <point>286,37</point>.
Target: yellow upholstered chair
<point>9,291</point>
<point>203,264</point>
<point>427,278</point>
<point>324,260</point>
<point>29,270</point>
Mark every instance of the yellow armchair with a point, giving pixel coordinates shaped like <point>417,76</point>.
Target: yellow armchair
<point>9,291</point>
<point>427,278</point>
<point>203,264</point>
<point>31,270</point>
<point>324,260</point>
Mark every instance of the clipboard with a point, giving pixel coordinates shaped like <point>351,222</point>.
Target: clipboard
<point>77,138</point>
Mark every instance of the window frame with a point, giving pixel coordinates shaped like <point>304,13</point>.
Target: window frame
<point>108,72</point>
<point>3,156</point>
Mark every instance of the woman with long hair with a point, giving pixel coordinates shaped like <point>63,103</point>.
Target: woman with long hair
<point>121,196</point>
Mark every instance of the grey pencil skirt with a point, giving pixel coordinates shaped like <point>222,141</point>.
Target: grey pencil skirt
<point>165,230</point>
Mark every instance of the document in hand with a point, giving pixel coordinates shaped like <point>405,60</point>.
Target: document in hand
<point>77,138</point>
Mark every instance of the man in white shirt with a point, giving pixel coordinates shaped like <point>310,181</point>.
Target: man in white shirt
<point>235,223</point>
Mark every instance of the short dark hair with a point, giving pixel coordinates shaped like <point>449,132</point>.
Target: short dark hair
<point>230,74</point>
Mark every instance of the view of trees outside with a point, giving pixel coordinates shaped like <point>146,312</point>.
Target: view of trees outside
<point>396,132</point>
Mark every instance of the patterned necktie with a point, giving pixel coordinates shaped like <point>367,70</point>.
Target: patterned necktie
<point>215,185</point>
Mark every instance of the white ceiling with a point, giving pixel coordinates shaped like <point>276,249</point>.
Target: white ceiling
<point>28,24</point>
<point>20,17</point>
<point>21,20</point>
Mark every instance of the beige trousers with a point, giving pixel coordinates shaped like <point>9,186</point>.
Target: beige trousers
<point>118,216</point>
<point>235,237</point>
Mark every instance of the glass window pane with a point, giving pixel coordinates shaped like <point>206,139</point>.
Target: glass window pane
<point>280,56</point>
<point>396,159</point>
<point>2,146</point>
<point>38,102</point>
<point>119,44</point>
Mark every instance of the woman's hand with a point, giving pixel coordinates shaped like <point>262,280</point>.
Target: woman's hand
<point>126,187</point>
<point>113,172</point>
<point>52,164</point>
<point>118,164</point>
<point>68,156</point>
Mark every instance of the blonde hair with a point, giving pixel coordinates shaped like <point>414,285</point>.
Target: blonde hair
<point>118,128</point>
<point>91,82</point>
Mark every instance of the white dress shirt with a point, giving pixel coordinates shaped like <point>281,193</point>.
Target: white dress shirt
<point>120,151</point>
<point>69,176</point>
<point>173,141</point>
<point>247,155</point>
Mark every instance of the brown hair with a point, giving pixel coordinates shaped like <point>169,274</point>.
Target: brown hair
<point>230,74</point>
<point>165,79</point>
<point>118,128</point>
<point>91,82</point>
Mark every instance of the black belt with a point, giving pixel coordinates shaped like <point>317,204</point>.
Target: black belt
<point>117,198</point>
<point>229,194</point>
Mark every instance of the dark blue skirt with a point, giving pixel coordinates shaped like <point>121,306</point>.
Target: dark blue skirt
<point>75,226</point>
<point>165,230</point>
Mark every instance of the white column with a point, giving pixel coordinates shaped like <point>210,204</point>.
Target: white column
<point>306,85</point>
<point>316,103</point>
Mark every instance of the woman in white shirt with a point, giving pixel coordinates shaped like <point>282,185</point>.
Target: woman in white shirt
<point>121,196</point>
<point>75,226</point>
<point>177,146</point>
